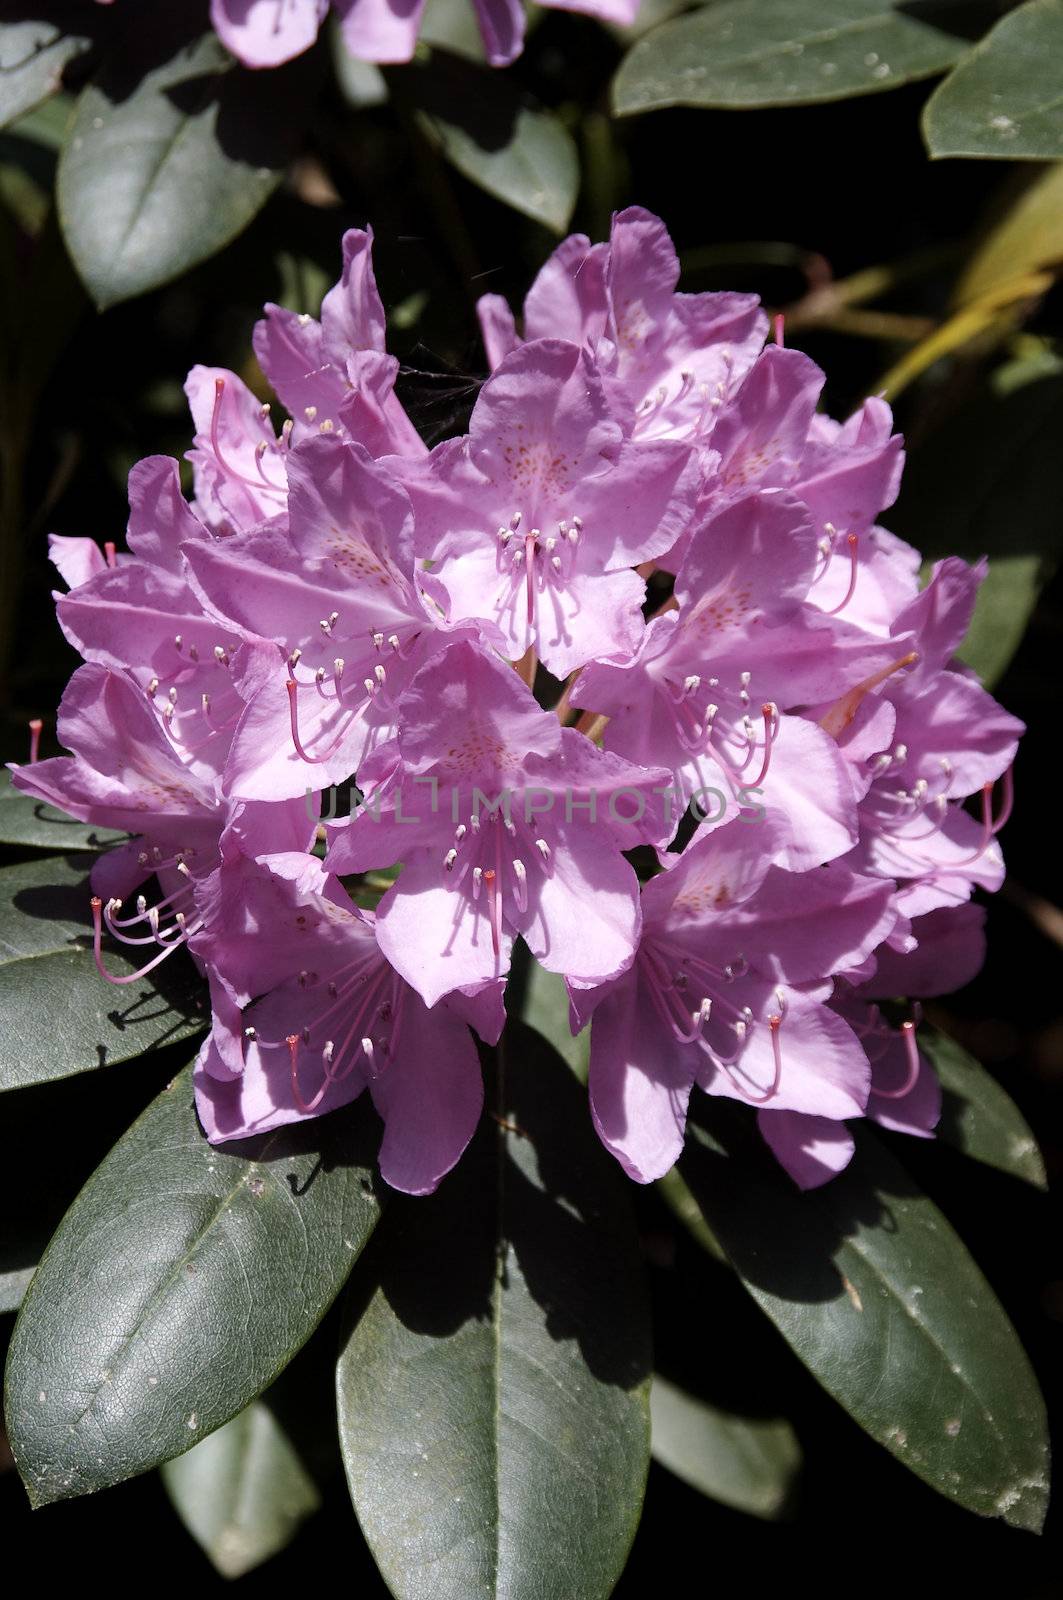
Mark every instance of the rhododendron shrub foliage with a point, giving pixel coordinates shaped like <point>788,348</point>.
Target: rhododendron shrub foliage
<point>620,713</point>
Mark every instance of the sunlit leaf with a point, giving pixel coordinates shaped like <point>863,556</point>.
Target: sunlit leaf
<point>493,1382</point>
<point>869,1284</point>
<point>1005,99</point>
<point>171,152</point>
<point>180,1283</point>
<point>743,53</point>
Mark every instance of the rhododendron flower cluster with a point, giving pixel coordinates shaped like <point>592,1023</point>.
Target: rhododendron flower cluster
<point>266,33</point>
<point>733,815</point>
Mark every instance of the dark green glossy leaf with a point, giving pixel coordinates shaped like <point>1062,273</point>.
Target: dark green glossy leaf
<point>869,1284</point>
<point>977,1116</point>
<point>243,1493</point>
<point>169,156</point>
<point>60,1016</point>
<point>1005,504</point>
<point>743,53</point>
<point>55,1136</point>
<point>1005,99</point>
<point>34,53</point>
<point>32,824</point>
<point>750,1463</point>
<point>495,136</point>
<point>493,1381</point>
<point>180,1283</point>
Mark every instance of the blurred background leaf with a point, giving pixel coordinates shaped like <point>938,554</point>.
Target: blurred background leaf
<point>746,53</point>
<point>746,1462</point>
<point>243,1492</point>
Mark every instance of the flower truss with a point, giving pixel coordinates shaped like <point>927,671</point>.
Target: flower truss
<point>782,739</point>
<point>266,33</point>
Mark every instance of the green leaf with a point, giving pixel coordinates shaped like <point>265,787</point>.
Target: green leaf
<point>180,1283</point>
<point>977,1117</point>
<point>169,156</point>
<point>60,1016</point>
<point>34,54</point>
<point>1007,503</point>
<point>869,1284</point>
<point>494,135</point>
<point>1005,99</point>
<point>493,1384</point>
<point>741,53</point>
<point>32,824</point>
<point>750,1463</point>
<point>546,1010</point>
<point>13,1286</point>
<point>1027,239</point>
<point>243,1493</point>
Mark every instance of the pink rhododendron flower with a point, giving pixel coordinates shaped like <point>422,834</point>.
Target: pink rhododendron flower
<point>507,824</point>
<point>726,992</point>
<point>265,33</point>
<point>787,748</point>
<point>352,620</point>
<point>534,523</point>
<point>328,1016</point>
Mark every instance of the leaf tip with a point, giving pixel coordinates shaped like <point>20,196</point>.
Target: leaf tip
<point>1025,1505</point>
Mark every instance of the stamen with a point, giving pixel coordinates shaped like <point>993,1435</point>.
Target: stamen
<point>35,727</point>
<point>912,1050</point>
<point>307,1107</point>
<point>852,541</point>
<point>494,908</point>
